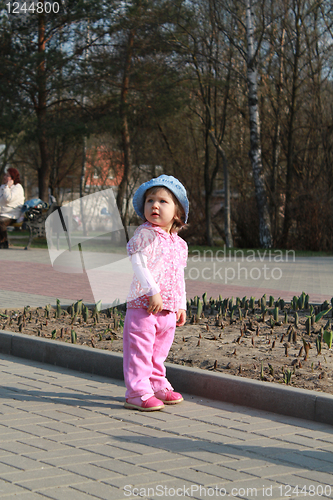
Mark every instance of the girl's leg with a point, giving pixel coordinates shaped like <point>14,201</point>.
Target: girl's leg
<point>138,341</point>
<point>165,332</point>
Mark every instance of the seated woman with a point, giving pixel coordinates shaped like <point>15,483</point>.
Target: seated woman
<point>11,201</point>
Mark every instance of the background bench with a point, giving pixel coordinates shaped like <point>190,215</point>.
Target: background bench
<point>34,221</point>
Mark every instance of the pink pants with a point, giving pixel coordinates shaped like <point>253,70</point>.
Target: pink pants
<point>147,340</point>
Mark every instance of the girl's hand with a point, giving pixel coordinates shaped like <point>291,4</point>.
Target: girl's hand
<point>155,304</point>
<point>181,317</point>
<point>10,182</point>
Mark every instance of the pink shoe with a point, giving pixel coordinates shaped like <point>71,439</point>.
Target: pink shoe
<point>150,404</point>
<point>169,397</point>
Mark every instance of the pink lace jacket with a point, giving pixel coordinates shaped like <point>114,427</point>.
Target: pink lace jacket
<point>166,256</point>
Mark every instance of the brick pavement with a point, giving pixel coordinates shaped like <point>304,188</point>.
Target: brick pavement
<point>65,435</point>
<point>29,275</point>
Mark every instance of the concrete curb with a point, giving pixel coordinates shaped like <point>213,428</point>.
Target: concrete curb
<point>289,401</point>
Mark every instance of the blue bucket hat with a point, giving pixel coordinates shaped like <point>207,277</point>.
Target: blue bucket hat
<point>166,181</point>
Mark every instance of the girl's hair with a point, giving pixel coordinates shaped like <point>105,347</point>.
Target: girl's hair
<point>15,175</point>
<point>179,220</point>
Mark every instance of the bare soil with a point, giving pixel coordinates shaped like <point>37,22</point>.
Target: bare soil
<point>251,346</point>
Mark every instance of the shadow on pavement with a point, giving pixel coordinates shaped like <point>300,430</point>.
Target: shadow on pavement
<point>311,459</point>
<point>70,399</point>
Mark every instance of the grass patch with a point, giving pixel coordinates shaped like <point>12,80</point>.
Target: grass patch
<point>100,244</point>
<point>20,239</point>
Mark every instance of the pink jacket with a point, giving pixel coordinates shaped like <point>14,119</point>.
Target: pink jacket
<point>166,258</point>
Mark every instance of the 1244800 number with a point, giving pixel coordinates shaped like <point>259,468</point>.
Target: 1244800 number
<point>311,490</point>
<point>33,7</point>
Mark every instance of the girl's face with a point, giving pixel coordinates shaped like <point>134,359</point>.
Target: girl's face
<point>160,209</point>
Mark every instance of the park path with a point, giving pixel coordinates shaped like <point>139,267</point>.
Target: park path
<point>65,436</point>
<point>28,278</point>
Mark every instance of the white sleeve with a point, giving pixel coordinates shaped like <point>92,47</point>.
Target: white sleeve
<point>140,268</point>
<point>13,195</point>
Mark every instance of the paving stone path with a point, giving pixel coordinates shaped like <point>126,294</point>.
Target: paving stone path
<point>65,435</point>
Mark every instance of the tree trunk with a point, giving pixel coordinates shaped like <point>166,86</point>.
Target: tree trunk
<point>207,181</point>
<point>265,237</point>
<point>227,212</point>
<point>82,186</point>
<point>126,140</point>
<point>227,224</point>
<point>44,170</point>
<point>220,151</point>
<point>84,147</point>
<point>276,145</point>
<point>290,135</point>
<point>227,198</point>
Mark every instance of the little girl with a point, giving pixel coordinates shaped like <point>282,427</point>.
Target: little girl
<point>157,300</point>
